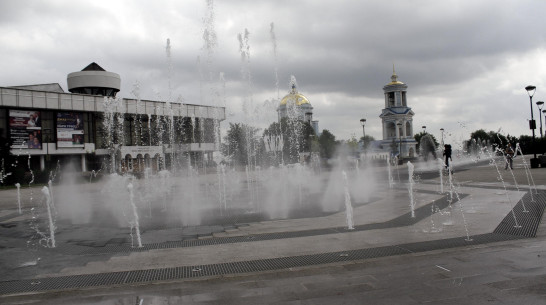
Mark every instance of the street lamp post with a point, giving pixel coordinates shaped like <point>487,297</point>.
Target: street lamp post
<point>442,130</point>
<point>544,111</point>
<point>532,125</point>
<point>540,104</point>
<point>363,122</point>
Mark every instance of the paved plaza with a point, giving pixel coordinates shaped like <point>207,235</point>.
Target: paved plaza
<point>477,240</point>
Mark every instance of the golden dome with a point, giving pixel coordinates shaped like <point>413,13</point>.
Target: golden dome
<point>294,96</point>
<point>394,78</point>
<point>297,98</point>
<point>395,83</point>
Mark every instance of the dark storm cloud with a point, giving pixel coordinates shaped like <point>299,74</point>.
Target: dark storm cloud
<point>452,54</point>
<point>341,45</point>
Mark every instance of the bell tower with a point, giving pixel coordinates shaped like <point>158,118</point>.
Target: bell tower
<point>397,118</point>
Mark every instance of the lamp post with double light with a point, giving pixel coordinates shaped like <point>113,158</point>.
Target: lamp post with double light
<point>532,124</point>
<point>544,111</point>
<point>540,104</point>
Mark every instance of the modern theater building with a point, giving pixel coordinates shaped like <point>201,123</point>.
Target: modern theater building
<point>89,125</point>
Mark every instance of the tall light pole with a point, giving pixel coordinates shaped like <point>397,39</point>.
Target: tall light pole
<point>363,122</point>
<point>399,140</point>
<point>544,111</point>
<point>540,104</point>
<point>532,125</point>
<point>442,130</point>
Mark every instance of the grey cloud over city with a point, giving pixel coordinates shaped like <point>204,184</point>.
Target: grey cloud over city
<point>466,63</point>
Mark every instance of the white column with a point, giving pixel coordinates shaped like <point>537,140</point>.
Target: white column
<point>42,162</point>
<point>397,129</point>
<point>404,128</point>
<point>84,164</point>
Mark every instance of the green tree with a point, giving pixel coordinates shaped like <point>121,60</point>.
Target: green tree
<point>528,146</point>
<point>242,144</point>
<point>489,138</point>
<point>480,135</point>
<point>418,137</point>
<point>352,145</point>
<point>497,139</point>
<point>366,141</point>
<point>297,136</point>
<point>327,144</point>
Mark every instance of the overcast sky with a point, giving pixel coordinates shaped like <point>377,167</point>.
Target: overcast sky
<point>466,63</point>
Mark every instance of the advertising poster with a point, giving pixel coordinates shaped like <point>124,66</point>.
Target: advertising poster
<point>25,128</point>
<point>69,129</point>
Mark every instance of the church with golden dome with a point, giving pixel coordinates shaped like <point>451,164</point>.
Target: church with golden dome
<point>296,106</point>
<point>397,118</point>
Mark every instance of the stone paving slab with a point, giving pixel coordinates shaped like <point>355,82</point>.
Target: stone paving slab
<point>505,273</point>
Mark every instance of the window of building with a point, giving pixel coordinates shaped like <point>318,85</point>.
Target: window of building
<point>391,99</point>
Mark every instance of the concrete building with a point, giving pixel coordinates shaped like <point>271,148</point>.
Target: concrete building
<point>90,126</point>
<point>397,119</point>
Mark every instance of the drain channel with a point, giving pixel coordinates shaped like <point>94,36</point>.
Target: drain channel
<point>187,272</point>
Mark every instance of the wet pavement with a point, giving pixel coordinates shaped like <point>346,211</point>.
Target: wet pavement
<point>453,252</point>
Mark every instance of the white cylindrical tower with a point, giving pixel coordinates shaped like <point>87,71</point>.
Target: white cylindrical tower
<point>94,80</point>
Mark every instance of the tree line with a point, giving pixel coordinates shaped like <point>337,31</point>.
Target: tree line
<point>245,144</point>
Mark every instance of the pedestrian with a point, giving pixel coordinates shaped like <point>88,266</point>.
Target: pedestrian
<point>509,154</point>
<point>447,153</point>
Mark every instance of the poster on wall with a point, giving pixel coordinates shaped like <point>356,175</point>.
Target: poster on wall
<point>69,129</point>
<point>25,128</point>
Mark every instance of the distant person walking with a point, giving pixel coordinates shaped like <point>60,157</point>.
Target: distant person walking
<point>509,153</point>
<point>447,153</point>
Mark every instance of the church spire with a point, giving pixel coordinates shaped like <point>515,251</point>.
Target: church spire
<point>293,85</point>
<point>394,77</point>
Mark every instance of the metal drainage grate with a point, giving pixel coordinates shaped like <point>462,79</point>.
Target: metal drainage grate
<point>524,222</point>
<point>186,272</point>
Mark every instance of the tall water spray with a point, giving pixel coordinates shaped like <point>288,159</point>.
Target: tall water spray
<point>427,147</point>
<point>389,171</point>
<point>274,43</point>
<point>509,201</point>
<point>452,191</point>
<point>411,182</point>
<point>441,166</point>
<point>18,186</point>
<point>135,223</point>
<point>515,181</point>
<point>51,221</point>
<point>348,205</point>
<point>169,68</point>
<point>528,174</point>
